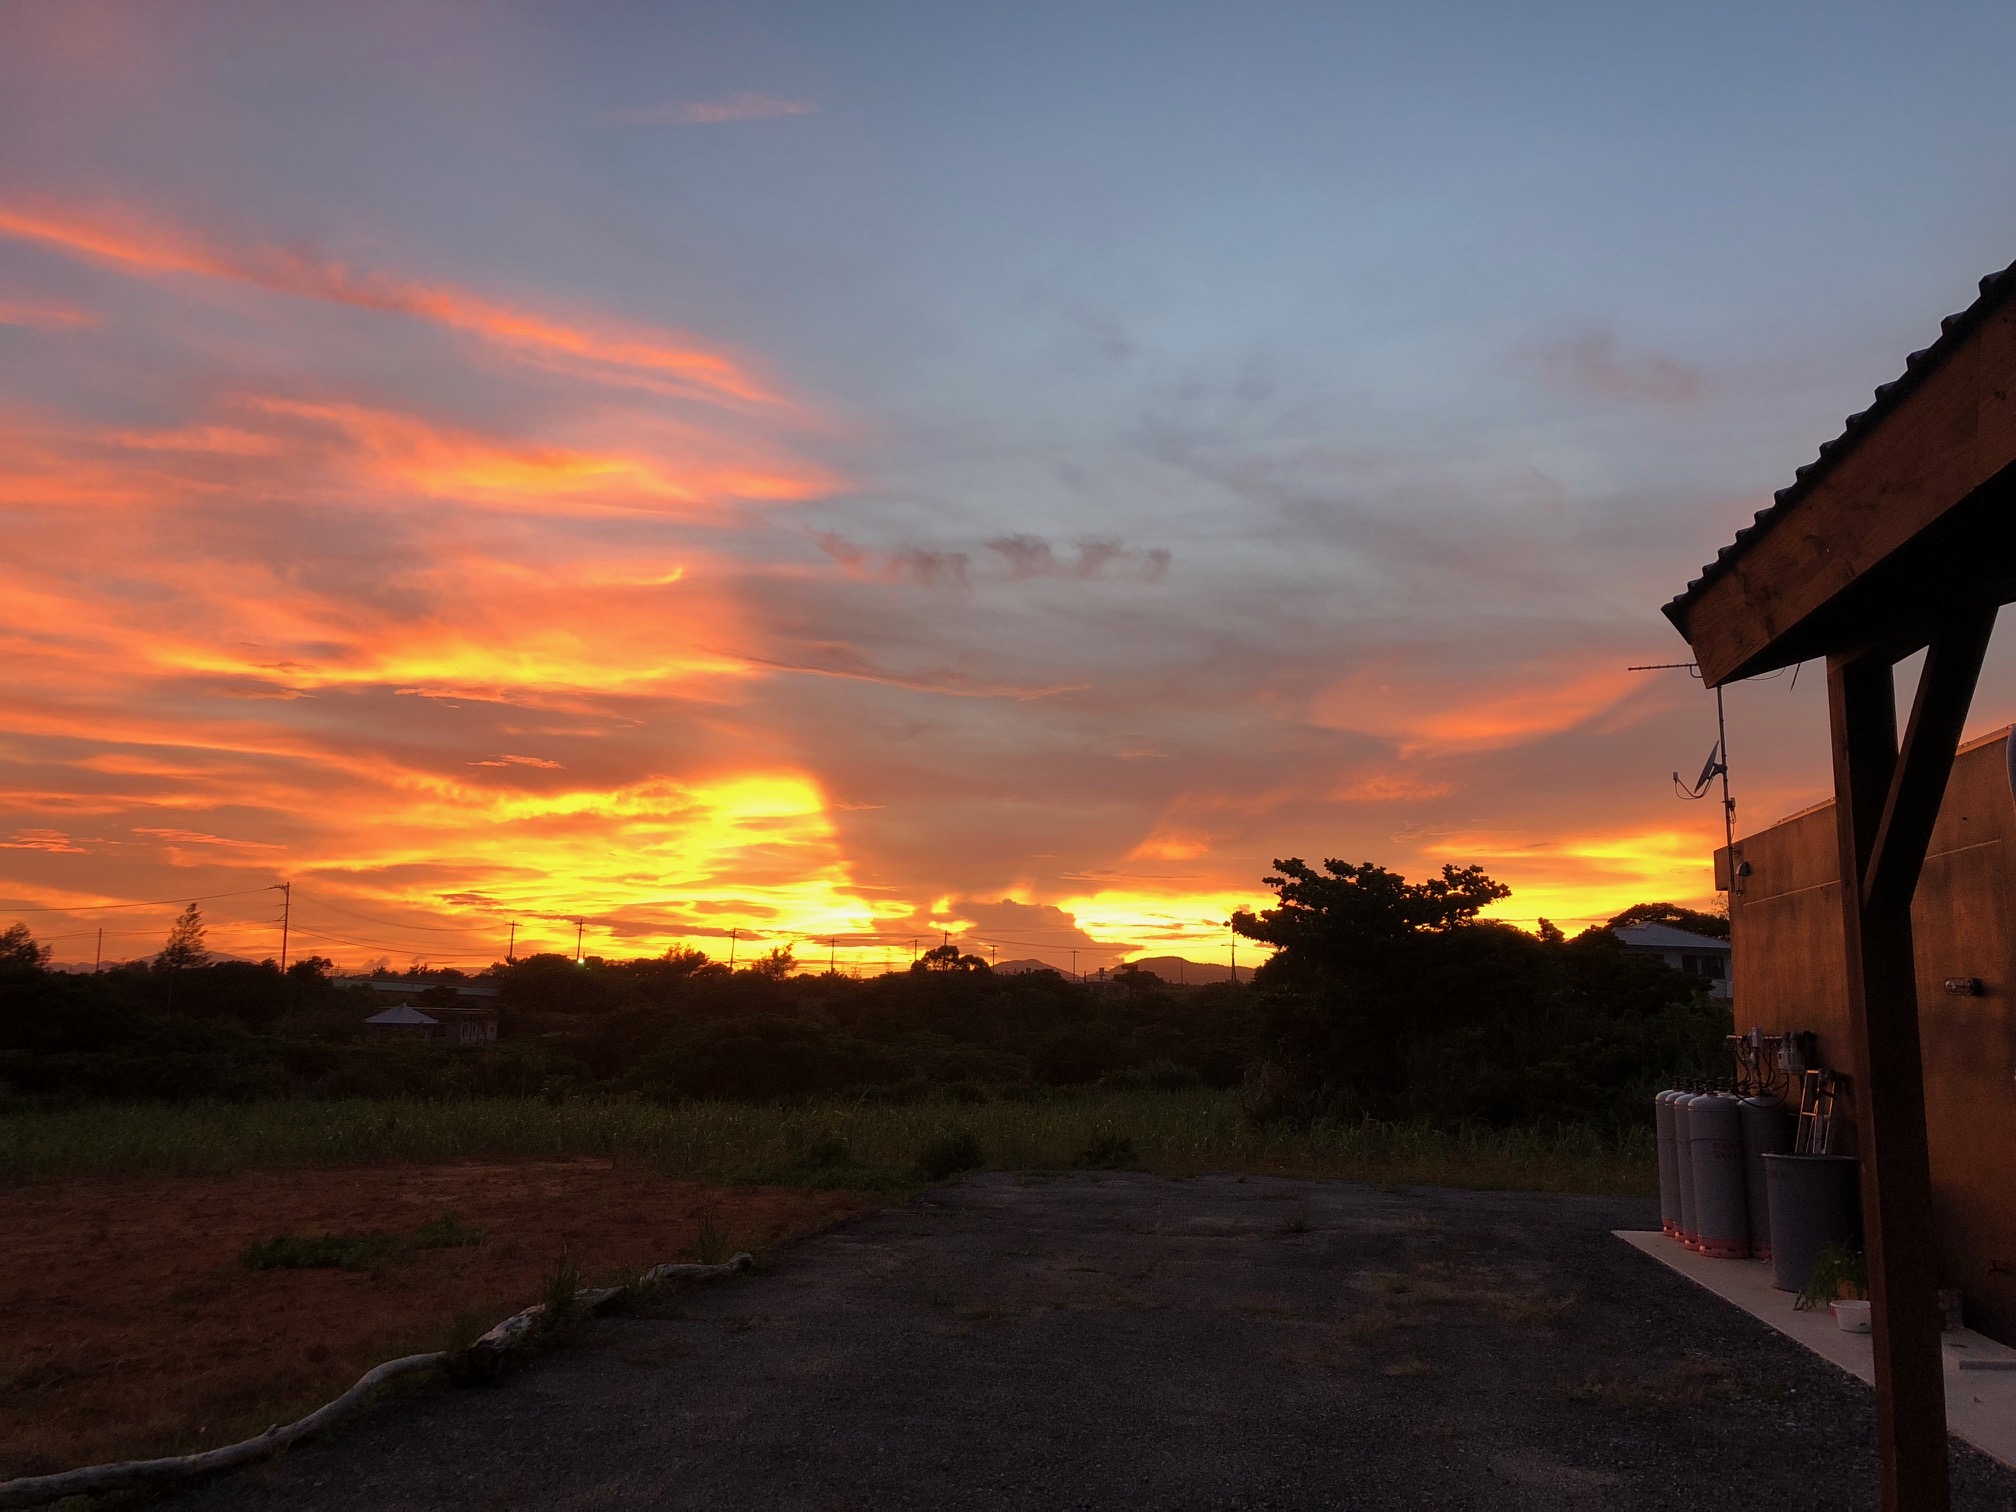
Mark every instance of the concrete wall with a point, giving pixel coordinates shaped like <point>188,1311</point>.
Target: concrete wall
<point>1785,928</point>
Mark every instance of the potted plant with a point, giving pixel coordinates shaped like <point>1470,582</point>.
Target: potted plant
<point>1839,1278</point>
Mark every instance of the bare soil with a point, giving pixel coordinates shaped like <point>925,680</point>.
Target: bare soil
<point>129,1327</point>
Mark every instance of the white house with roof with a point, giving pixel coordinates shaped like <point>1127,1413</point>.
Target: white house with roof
<point>1698,955</point>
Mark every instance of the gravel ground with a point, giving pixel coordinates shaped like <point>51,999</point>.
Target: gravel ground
<point>1119,1340</point>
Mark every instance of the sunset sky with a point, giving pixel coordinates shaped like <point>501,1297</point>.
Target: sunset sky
<point>860,471</point>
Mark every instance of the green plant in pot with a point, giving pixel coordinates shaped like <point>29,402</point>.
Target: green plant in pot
<point>1840,1274</point>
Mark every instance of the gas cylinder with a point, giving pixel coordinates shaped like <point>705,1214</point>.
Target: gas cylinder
<point>1683,1162</point>
<point>1669,1164</point>
<point>1721,1210</point>
<point>1768,1129</point>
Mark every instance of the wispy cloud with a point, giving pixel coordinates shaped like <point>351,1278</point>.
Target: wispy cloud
<point>42,315</point>
<point>1595,362</point>
<point>1030,556</point>
<point>744,105</point>
<point>123,239</point>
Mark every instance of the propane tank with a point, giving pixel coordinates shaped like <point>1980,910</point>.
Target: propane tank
<point>1721,1210</point>
<point>1768,1129</point>
<point>1669,1164</point>
<point>1683,1161</point>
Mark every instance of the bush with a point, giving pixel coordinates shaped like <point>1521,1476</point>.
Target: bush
<point>1107,1152</point>
<point>949,1154</point>
<point>352,1252</point>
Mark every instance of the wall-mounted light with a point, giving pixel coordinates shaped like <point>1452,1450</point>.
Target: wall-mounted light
<point>1965,986</point>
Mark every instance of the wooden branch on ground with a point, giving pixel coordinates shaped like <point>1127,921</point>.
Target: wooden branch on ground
<point>493,1351</point>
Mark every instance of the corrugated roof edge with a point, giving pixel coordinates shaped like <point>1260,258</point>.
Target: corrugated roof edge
<point>1994,288</point>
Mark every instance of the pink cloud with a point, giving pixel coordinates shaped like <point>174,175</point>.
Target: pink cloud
<point>743,105</point>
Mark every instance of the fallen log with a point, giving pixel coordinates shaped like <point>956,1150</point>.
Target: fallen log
<point>488,1356</point>
<point>128,1475</point>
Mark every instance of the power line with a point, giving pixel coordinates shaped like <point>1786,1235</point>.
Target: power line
<point>321,902</point>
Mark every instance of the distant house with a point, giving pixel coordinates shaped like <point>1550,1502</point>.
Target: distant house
<point>1698,955</point>
<point>404,1020</point>
<point>446,1011</point>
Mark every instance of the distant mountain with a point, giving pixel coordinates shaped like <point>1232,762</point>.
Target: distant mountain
<point>1168,968</point>
<point>1190,973</point>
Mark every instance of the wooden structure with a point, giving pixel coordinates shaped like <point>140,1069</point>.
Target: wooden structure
<point>1897,539</point>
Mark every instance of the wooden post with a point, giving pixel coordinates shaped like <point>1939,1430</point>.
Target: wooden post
<point>1885,805</point>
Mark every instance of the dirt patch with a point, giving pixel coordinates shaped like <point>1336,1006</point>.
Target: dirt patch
<point>130,1327</point>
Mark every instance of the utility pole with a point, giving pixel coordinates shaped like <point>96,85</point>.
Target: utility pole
<point>832,951</point>
<point>733,936</point>
<point>99,954</point>
<point>1074,962</point>
<point>1234,948</point>
<point>913,952</point>
<point>993,955</point>
<point>579,926</point>
<point>511,948</point>
<point>286,918</point>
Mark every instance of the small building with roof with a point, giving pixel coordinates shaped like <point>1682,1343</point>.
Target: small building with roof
<point>1698,955</point>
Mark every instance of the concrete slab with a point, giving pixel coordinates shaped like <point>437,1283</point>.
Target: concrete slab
<point>1980,1373</point>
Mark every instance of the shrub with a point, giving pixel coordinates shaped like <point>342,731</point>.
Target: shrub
<point>353,1252</point>
<point>446,1232</point>
<point>824,1154</point>
<point>949,1154</point>
<point>1107,1152</point>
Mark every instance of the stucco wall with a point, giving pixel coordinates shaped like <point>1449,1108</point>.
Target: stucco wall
<point>1785,929</point>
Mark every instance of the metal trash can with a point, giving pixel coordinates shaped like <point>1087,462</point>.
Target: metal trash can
<point>1816,1200</point>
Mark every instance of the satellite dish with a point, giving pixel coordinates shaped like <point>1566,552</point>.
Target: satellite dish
<point>1710,770</point>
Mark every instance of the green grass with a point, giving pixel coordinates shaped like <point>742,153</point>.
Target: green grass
<point>352,1252</point>
<point>873,1146</point>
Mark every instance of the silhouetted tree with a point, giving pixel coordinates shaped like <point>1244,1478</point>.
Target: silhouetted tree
<point>1392,999</point>
<point>775,966</point>
<point>1693,920</point>
<point>946,957</point>
<point>19,951</point>
<point>185,942</point>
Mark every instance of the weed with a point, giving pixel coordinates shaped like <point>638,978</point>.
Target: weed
<point>464,1331</point>
<point>824,1154</point>
<point>560,1298</point>
<point>1693,1381</point>
<point>1108,1151</point>
<point>351,1252</point>
<point>446,1232</point>
<point>949,1154</point>
<point>710,1245</point>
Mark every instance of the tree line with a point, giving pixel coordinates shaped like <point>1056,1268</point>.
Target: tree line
<point>1384,998</point>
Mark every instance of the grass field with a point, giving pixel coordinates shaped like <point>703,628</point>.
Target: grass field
<point>831,1143</point>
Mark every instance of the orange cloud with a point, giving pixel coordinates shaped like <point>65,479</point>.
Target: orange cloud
<point>1389,787</point>
<point>410,453</point>
<point>1426,713</point>
<point>129,242</point>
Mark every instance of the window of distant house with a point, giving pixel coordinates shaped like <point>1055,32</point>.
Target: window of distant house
<point>1702,965</point>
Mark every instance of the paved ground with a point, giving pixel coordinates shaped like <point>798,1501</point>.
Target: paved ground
<point>1122,1341</point>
